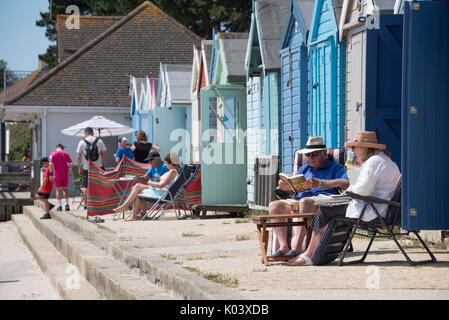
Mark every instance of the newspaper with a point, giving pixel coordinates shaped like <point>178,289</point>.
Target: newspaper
<point>330,201</point>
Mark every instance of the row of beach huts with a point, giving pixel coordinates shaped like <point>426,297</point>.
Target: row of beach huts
<point>306,68</point>
<point>243,103</point>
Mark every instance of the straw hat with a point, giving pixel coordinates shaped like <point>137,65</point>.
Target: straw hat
<point>314,144</point>
<point>367,139</point>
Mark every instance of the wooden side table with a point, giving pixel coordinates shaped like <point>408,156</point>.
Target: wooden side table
<point>264,222</point>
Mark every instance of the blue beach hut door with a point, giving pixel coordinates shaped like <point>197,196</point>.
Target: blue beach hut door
<point>323,109</point>
<point>384,82</point>
<point>223,145</point>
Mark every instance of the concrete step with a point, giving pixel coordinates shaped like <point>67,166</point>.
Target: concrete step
<point>55,266</point>
<point>181,284</point>
<point>111,278</point>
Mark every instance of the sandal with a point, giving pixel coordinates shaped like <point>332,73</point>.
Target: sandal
<point>308,261</point>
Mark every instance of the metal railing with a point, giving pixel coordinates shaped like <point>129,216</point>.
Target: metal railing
<point>27,175</point>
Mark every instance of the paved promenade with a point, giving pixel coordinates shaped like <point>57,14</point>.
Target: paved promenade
<point>219,258</point>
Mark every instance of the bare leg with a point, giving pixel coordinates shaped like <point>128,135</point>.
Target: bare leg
<point>84,191</point>
<point>311,248</point>
<point>46,203</point>
<point>66,194</point>
<point>137,208</point>
<point>280,207</point>
<point>138,188</point>
<point>306,205</point>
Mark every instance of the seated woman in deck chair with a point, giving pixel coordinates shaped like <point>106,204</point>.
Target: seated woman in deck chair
<point>378,178</point>
<point>151,188</point>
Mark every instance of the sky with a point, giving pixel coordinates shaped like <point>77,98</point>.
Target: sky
<point>21,41</point>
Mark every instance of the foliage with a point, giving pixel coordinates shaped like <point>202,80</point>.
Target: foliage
<point>20,140</point>
<point>10,76</point>
<point>200,16</point>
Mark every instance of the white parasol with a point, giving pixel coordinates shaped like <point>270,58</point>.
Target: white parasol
<point>102,126</point>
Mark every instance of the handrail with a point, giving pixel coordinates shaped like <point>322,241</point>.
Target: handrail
<point>31,178</point>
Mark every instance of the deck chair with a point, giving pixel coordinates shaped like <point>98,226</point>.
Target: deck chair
<point>341,231</point>
<point>77,182</point>
<point>175,196</point>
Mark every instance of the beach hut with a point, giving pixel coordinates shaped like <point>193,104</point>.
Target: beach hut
<point>327,74</point>
<point>263,67</point>
<point>399,6</point>
<point>373,37</point>
<point>200,79</point>
<point>143,101</point>
<point>173,113</point>
<point>223,124</point>
<point>425,115</point>
<point>294,69</point>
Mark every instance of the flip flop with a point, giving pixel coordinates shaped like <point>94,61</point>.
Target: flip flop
<point>308,261</point>
<point>278,253</point>
<point>291,253</point>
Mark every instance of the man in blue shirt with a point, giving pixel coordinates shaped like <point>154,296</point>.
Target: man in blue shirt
<point>322,177</point>
<point>158,168</point>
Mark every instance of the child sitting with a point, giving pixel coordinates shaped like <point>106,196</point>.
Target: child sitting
<point>43,193</point>
<point>123,150</point>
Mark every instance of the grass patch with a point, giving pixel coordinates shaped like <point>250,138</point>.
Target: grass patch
<point>257,212</point>
<point>168,256</point>
<point>104,228</point>
<point>226,223</point>
<point>241,221</point>
<point>215,277</point>
<point>177,262</point>
<point>260,270</point>
<point>242,237</point>
<point>191,234</point>
<point>139,247</point>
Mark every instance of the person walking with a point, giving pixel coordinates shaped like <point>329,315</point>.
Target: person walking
<point>89,149</point>
<point>44,191</point>
<point>60,163</point>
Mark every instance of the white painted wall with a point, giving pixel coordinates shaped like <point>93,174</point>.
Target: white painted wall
<point>56,121</point>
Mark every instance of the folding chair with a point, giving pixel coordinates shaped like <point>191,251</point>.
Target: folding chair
<point>374,227</point>
<point>174,196</point>
<point>77,182</point>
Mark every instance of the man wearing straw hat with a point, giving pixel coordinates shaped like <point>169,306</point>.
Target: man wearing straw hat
<point>322,177</point>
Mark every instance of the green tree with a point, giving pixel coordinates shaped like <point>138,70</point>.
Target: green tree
<point>11,78</point>
<point>20,140</point>
<point>200,16</point>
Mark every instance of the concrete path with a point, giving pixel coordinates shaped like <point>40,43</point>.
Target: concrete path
<point>219,258</point>
<point>20,276</point>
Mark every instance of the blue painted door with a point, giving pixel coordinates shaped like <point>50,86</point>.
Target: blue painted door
<point>323,113</point>
<point>384,82</point>
<point>223,146</point>
<point>170,131</point>
<point>425,116</point>
<point>294,104</point>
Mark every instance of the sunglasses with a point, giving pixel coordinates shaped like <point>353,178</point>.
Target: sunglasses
<point>312,154</point>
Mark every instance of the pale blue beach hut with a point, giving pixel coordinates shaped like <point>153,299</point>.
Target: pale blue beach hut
<point>173,113</point>
<point>294,66</point>
<point>263,67</point>
<point>327,74</point>
<point>223,124</point>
